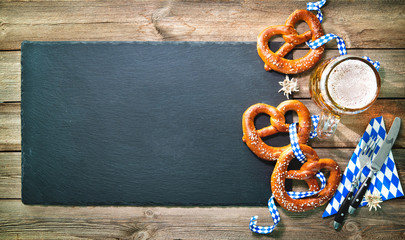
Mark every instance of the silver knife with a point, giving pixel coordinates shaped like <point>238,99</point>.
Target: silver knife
<point>376,163</point>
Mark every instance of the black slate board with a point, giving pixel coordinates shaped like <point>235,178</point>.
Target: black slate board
<point>143,123</point>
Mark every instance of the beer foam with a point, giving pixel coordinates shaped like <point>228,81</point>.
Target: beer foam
<point>352,84</point>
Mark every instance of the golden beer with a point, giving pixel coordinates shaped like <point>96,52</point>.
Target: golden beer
<point>343,85</point>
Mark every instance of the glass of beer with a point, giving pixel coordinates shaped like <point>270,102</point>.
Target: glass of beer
<point>342,85</point>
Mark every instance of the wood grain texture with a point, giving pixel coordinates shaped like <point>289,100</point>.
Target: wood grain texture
<point>10,127</point>
<point>10,76</point>
<point>349,131</point>
<point>19,221</point>
<point>192,21</point>
<point>352,127</point>
<point>373,28</point>
<point>391,72</point>
<point>10,175</point>
<point>10,168</point>
<point>50,222</point>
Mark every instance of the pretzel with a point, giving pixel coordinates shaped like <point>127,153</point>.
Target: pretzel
<point>307,172</point>
<point>276,61</point>
<point>253,137</point>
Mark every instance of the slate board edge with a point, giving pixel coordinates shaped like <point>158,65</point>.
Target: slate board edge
<point>27,43</point>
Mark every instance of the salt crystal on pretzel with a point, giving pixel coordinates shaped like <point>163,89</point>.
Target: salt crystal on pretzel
<point>276,61</point>
<point>253,137</point>
<point>307,173</point>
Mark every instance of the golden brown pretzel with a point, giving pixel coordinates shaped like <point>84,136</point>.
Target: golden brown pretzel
<point>276,61</point>
<point>253,137</point>
<point>307,172</point>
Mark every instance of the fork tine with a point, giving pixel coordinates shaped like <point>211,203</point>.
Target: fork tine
<point>365,152</point>
<point>371,147</point>
<point>375,145</point>
<point>365,145</point>
<point>368,146</point>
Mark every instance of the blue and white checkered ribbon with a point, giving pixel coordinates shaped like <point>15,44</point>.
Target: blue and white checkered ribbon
<point>294,137</point>
<point>376,64</point>
<point>294,143</point>
<point>328,37</point>
<point>274,212</point>
<point>342,190</point>
<point>315,121</point>
<point>386,181</point>
<point>294,195</point>
<point>316,6</point>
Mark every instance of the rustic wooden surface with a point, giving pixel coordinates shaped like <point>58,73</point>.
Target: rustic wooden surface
<point>374,28</point>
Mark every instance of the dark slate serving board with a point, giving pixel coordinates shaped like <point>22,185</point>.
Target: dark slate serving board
<point>143,123</point>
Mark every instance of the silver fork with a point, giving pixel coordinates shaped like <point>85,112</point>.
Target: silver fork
<point>365,156</point>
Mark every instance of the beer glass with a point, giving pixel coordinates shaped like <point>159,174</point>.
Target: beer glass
<point>342,85</point>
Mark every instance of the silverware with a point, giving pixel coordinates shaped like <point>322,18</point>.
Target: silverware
<point>376,164</point>
<point>367,149</point>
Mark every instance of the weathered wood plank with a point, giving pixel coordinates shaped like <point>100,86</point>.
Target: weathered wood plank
<point>10,168</point>
<point>193,21</point>
<point>10,127</point>
<point>363,24</point>
<point>392,72</point>
<point>10,76</point>
<point>348,133</point>
<point>351,127</point>
<point>10,175</point>
<point>20,221</point>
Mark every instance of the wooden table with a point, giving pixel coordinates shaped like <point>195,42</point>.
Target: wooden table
<point>373,28</point>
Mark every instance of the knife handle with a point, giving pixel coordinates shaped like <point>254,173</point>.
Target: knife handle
<point>340,216</point>
<point>360,193</point>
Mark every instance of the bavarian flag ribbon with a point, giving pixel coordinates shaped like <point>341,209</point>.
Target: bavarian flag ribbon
<point>376,64</point>
<point>293,130</point>
<point>386,181</point>
<point>294,137</point>
<point>274,212</point>
<point>330,36</point>
<point>317,7</point>
<point>326,38</point>
<point>294,195</point>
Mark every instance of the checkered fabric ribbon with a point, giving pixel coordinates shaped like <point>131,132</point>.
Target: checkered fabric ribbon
<point>386,181</point>
<point>315,121</point>
<point>274,212</point>
<point>328,37</point>
<point>294,195</point>
<point>317,7</point>
<point>389,190</point>
<point>376,64</point>
<point>294,137</point>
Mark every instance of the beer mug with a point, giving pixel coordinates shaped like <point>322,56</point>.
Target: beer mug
<point>342,85</point>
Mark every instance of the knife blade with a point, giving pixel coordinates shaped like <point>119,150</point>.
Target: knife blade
<point>376,163</point>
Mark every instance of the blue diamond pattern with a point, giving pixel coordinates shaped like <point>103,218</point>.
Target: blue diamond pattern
<point>388,182</point>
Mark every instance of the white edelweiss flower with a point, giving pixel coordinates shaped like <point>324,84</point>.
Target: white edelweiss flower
<point>288,86</point>
<point>373,199</point>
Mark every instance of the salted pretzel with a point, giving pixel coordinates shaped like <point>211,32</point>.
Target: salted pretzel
<point>307,172</point>
<point>253,137</point>
<point>276,61</point>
